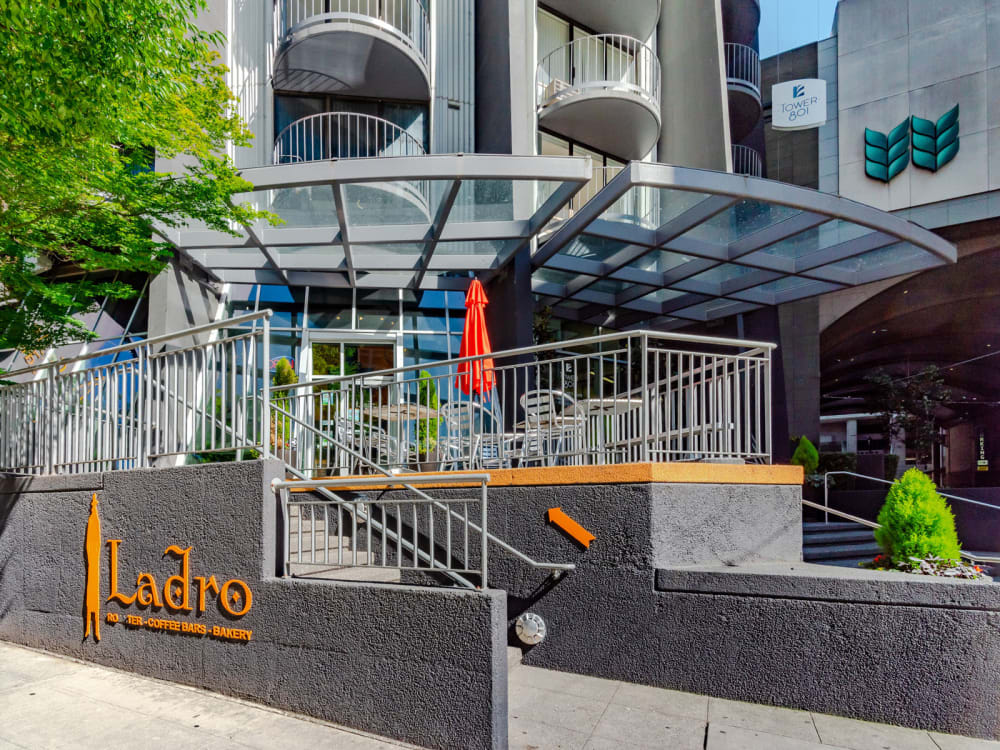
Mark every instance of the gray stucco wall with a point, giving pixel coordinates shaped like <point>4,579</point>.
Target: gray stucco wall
<point>423,665</point>
<point>677,591</point>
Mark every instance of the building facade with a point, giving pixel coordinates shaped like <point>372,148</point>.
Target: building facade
<point>916,64</point>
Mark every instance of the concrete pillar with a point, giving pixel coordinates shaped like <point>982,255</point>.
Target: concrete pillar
<point>851,443</point>
<point>181,298</point>
<point>799,345</point>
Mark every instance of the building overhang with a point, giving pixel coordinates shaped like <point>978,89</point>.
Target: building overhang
<point>421,222</point>
<point>663,246</point>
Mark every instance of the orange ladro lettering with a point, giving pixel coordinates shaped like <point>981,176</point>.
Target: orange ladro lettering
<point>181,593</point>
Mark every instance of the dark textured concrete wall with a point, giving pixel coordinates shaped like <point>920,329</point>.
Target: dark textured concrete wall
<point>883,647</point>
<point>422,665</point>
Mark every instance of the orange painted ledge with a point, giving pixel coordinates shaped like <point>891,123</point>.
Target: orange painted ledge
<point>638,473</point>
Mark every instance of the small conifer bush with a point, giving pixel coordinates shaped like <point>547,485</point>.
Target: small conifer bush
<point>806,456</point>
<point>916,522</point>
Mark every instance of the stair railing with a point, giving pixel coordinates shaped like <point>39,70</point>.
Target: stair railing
<point>827,510</point>
<point>279,413</point>
<point>400,526</point>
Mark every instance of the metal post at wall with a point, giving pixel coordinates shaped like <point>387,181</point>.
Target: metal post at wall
<point>644,417</point>
<point>47,413</point>
<point>266,385</point>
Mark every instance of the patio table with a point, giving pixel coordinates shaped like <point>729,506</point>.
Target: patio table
<point>401,414</point>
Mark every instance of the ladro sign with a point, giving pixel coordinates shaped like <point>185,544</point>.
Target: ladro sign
<point>798,105</point>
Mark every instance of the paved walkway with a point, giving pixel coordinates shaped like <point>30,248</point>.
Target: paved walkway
<point>51,702</point>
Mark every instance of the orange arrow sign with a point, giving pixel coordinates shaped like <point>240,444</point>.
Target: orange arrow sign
<point>571,527</point>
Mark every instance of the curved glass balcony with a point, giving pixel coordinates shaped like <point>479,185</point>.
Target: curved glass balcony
<point>376,48</point>
<point>342,135</point>
<point>603,91</point>
<point>743,83</point>
<point>747,161</point>
<point>634,18</point>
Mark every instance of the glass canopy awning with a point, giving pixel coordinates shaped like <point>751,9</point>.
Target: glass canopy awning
<point>658,245</point>
<point>663,246</point>
<point>421,222</point>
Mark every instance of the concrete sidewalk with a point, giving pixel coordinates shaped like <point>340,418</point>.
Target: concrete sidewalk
<point>52,702</point>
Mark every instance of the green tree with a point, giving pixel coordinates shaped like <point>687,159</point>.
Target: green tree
<point>90,91</point>
<point>427,429</point>
<point>916,521</point>
<point>907,406</point>
<point>806,456</point>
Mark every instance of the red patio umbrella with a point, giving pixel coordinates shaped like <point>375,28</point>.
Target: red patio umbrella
<point>478,375</point>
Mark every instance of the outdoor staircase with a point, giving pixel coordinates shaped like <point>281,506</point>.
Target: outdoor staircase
<point>843,543</point>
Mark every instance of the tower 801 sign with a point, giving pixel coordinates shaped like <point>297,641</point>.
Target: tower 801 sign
<point>798,105</point>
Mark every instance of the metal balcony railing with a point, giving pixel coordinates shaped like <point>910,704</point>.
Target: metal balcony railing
<point>342,135</point>
<point>612,62</point>
<point>743,67</point>
<point>609,399</point>
<point>406,20</point>
<point>747,161</point>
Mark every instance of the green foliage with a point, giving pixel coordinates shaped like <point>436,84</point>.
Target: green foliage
<point>908,405</point>
<point>427,429</point>
<point>935,143</point>
<point>806,456</point>
<point>916,521</point>
<point>284,373</point>
<point>886,155</point>
<point>90,91</point>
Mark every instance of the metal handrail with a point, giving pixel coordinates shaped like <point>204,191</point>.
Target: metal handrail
<point>404,19</point>
<point>690,338</point>
<point>555,567</point>
<point>747,161</point>
<point>873,525</point>
<point>605,61</point>
<point>743,66</point>
<point>205,328</point>
<point>342,135</point>
<point>324,487</point>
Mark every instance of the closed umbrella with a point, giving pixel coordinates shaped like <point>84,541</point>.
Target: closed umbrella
<point>476,376</point>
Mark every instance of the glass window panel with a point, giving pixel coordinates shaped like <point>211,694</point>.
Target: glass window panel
<point>609,286</point>
<point>589,55</point>
<point>818,238</point>
<point>304,206</point>
<point>392,203</point>
<point>663,295</point>
<point>885,256</point>
<point>553,33</point>
<point>597,249</point>
<point>651,207</point>
<point>378,319</point>
<point>659,261</point>
<point>740,220</point>
<point>554,276</point>
<point>551,145</point>
<point>721,273</point>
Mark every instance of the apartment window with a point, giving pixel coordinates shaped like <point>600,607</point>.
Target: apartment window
<point>409,116</point>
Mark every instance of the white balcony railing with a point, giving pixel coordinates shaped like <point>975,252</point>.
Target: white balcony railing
<point>342,135</point>
<point>612,62</point>
<point>743,67</point>
<point>747,161</point>
<point>404,19</point>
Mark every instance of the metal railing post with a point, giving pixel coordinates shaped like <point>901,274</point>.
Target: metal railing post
<point>265,380</point>
<point>826,497</point>
<point>485,532</point>
<point>644,377</point>
<point>49,416</point>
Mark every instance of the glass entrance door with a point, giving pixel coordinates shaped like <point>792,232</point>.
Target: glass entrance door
<point>346,413</point>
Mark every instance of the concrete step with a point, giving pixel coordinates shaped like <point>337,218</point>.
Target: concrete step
<point>815,526</point>
<point>812,538</point>
<point>514,656</point>
<point>840,551</point>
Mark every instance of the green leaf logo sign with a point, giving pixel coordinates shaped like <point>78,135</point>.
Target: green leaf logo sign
<point>887,155</point>
<point>935,143</point>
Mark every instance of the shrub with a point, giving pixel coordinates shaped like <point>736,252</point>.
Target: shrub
<point>806,456</point>
<point>427,429</point>
<point>916,521</point>
<point>839,462</point>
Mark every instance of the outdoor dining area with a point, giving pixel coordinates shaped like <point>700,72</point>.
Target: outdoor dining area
<point>615,398</point>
